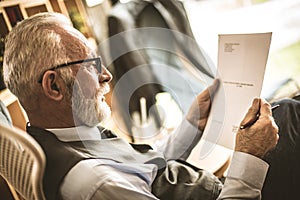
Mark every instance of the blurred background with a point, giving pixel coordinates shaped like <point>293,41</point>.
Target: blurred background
<point>209,18</point>
<point>201,20</point>
<point>159,108</point>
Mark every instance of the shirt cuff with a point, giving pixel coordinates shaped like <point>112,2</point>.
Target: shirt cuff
<point>249,169</point>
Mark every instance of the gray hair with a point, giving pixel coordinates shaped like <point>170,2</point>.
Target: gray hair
<point>33,46</point>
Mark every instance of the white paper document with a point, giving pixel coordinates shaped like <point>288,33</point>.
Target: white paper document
<point>242,60</point>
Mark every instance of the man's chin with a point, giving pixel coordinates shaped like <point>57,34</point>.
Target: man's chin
<point>103,114</point>
<point>105,117</point>
<point>92,118</point>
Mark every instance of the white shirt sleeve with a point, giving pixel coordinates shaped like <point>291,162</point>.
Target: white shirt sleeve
<point>103,182</point>
<point>181,142</point>
<point>245,177</point>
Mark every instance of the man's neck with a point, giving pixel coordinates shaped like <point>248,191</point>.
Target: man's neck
<point>49,121</point>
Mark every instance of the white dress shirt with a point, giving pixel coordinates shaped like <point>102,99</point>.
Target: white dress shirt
<point>104,179</point>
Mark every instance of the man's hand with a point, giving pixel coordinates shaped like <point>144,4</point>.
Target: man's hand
<point>260,137</point>
<point>198,112</point>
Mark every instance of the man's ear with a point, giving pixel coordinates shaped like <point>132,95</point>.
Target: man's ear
<point>51,85</point>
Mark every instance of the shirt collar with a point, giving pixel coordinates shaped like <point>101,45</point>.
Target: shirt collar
<point>79,133</point>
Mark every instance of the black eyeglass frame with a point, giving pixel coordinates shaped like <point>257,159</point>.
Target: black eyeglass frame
<point>97,59</point>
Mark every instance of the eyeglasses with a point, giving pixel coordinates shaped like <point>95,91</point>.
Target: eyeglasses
<point>91,64</point>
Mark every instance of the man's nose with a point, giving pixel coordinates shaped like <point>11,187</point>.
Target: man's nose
<point>105,76</point>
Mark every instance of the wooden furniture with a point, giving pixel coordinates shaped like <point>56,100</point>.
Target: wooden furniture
<point>22,163</point>
<point>16,111</point>
<point>18,118</point>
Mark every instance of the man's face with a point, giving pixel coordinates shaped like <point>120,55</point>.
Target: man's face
<point>88,101</point>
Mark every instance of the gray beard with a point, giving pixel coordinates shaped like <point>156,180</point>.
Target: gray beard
<point>90,111</point>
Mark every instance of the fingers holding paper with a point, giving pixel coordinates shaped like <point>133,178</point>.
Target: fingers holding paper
<point>258,132</point>
<point>199,111</point>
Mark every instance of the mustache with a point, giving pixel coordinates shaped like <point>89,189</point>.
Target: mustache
<point>103,90</point>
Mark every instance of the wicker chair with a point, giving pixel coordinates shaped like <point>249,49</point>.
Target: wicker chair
<point>22,163</point>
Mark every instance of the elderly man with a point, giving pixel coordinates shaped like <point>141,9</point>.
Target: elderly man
<point>61,83</point>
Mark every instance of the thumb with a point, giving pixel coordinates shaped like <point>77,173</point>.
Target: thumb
<point>252,111</point>
<point>265,109</point>
<point>213,88</point>
<point>210,91</point>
